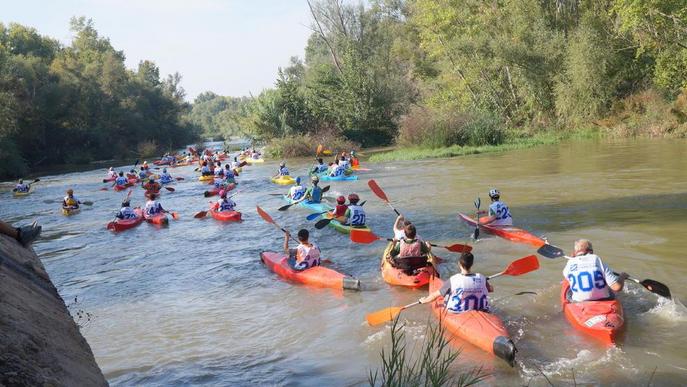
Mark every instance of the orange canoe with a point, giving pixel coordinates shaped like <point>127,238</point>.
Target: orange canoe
<point>510,233</point>
<point>319,276</point>
<point>397,277</point>
<point>600,319</point>
<point>481,329</point>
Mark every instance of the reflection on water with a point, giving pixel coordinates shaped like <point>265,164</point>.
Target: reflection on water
<point>191,303</point>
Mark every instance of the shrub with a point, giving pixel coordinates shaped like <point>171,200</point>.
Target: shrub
<point>301,145</point>
<point>11,162</point>
<point>147,148</point>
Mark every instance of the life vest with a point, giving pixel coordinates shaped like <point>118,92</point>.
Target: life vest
<point>588,278</point>
<point>154,187</point>
<point>153,207</point>
<point>121,180</point>
<point>340,210</point>
<point>410,248</point>
<point>316,194</point>
<point>226,205</point>
<point>297,192</point>
<point>71,201</point>
<point>127,213</point>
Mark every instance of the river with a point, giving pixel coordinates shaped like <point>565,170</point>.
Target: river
<point>192,304</point>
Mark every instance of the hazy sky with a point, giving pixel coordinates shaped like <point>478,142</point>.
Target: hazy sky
<point>231,47</point>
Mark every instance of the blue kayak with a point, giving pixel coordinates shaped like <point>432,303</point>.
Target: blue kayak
<point>315,207</point>
<point>339,178</point>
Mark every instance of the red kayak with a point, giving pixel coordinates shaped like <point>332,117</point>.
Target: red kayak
<point>109,179</point>
<point>160,219</point>
<point>148,193</point>
<point>600,319</point>
<point>510,233</point>
<point>122,187</point>
<point>125,224</point>
<point>318,276</point>
<point>224,216</point>
<point>482,329</point>
<point>215,191</point>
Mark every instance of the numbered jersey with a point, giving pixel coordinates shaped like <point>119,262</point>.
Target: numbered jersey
<point>152,207</point>
<point>338,171</point>
<point>310,254</point>
<point>127,213</point>
<point>121,180</point>
<point>356,215</point>
<point>466,292</point>
<point>297,192</point>
<point>502,214</point>
<point>589,278</point>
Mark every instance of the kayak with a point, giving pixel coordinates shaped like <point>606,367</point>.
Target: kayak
<point>67,211</point>
<point>160,219</point>
<point>318,276</point>
<point>394,276</point>
<point>20,193</point>
<point>253,161</point>
<point>225,216</point>
<point>482,329</point>
<point>344,228</point>
<point>215,191</point>
<point>510,233</point>
<point>206,178</point>
<point>600,319</point>
<point>315,207</point>
<point>284,180</point>
<point>125,224</point>
<point>122,187</point>
<point>109,179</point>
<point>133,180</point>
<point>339,178</point>
<point>166,181</point>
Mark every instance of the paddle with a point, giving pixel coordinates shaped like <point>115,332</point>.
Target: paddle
<point>322,223</point>
<point>269,219</point>
<point>658,288</point>
<point>286,207</point>
<point>361,236</point>
<point>170,189</point>
<point>179,178</point>
<point>518,267</point>
<point>380,194</point>
<point>475,234</point>
<point>174,214</point>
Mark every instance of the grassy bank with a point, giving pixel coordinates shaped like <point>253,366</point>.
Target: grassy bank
<point>513,141</point>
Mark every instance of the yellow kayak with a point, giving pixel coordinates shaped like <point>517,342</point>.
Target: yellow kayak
<point>206,178</point>
<point>20,194</point>
<point>253,161</point>
<point>284,180</point>
<point>67,211</point>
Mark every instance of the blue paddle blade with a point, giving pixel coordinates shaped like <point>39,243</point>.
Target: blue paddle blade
<point>314,216</point>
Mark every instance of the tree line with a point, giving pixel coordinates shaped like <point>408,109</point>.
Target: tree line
<point>78,103</point>
<point>444,72</point>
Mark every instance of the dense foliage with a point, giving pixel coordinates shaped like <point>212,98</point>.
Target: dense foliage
<point>445,72</point>
<point>77,103</point>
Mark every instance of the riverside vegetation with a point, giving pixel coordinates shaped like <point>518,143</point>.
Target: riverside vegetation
<point>448,77</point>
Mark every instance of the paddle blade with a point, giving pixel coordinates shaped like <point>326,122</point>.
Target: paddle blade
<point>104,189</point>
<point>475,234</point>
<point>264,215</point>
<point>384,315</point>
<point>319,149</point>
<point>314,216</point>
<point>200,214</point>
<point>170,189</point>
<point>175,216</point>
<point>377,190</point>
<point>286,207</point>
<point>522,265</point>
<point>458,248</point>
<point>36,181</point>
<point>322,223</point>
<point>550,251</point>
<point>179,178</point>
<point>361,236</point>
<point>87,202</point>
<point>325,189</point>
<point>656,288</point>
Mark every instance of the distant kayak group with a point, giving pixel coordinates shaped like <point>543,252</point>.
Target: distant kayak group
<point>461,301</point>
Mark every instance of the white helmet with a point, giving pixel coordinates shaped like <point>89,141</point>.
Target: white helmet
<point>494,193</point>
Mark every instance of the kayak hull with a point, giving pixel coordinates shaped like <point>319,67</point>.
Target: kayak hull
<point>343,228</point>
<point>339,178</point>
<point>481,329</point>
<point>157,219</point>
<point>510,233</point>
<point>226,216</point>
<point>315,207</point>
<point>397,277</point>
<point>284,180</point>
<point>254,161</point>
<point>206,178</point>
<point>318,276</point>
<point>602,320</point>
<point>21,194</point>
<point>68,211</point>
<point>122,187</point>
<point>126,224</point>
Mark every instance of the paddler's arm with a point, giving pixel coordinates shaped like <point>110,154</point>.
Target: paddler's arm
<point>286,242</point>
<point>445,289</point>
<point>490,288</point>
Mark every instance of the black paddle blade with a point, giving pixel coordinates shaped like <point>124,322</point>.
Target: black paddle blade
<point>656,288</point>
<point>322,223</point>
<point>550,251</point>
<point>475,235</point>
<point>286,207</point>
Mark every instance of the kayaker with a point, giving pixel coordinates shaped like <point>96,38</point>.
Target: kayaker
<point>70,201</point>
<point>589,278</point>
<point>24,235</point>
<point>337,169</point>
<point>225,203</point>
<point>355,215</point>
<point>111,174</point>
<point>305,255</point>
<point>153,206</point>
<point>297,192</point>
<point>320,167</point>
<point>355,162</point>
<point>121,180</point>
<point>142,175</point>
<point>219,171</point>
<point>463,291</point>
<point>145,166</point>
<point>499,215</point>
<point>152,186</point>
<point>343,162</point>
<point>282,171</point>
<point>205,170</point>
<point>21,187</point>
<point>339,211</point>
<point>229,175</point>
<point>255,155</point>
<point>165,177</point>
<point>409,253</point>
<point>131,175</point>
<point>314,193</point>
<point>399,227</point>
<point>126,212</point>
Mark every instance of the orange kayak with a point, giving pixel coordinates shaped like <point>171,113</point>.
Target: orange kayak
<point>319,276</point>
<point>160,219</point>
<point>481,329</point>
<point>224,216</point>
<point>600,319</point>
<point>394,276</point>
<point>510,233</point>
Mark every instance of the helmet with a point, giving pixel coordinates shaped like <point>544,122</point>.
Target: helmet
<point>341,199</point>
<point>222,193</point>
<point>298,180</point>
<point>70,191</point>
<point>145,162</point>
<point>21,181</point>
<point>121,173</point>
<point>151,179</point>
<point>353,198</point>
<point>111,168</point>
<point>315,179</point>
<point>164,170</point>
<point>352,152</point>
<point>282,164</point>
<point>494,193</point>
<point>126,203</point>
<point>132,171</point>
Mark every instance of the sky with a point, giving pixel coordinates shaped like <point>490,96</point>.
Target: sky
<point>230,47</point>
